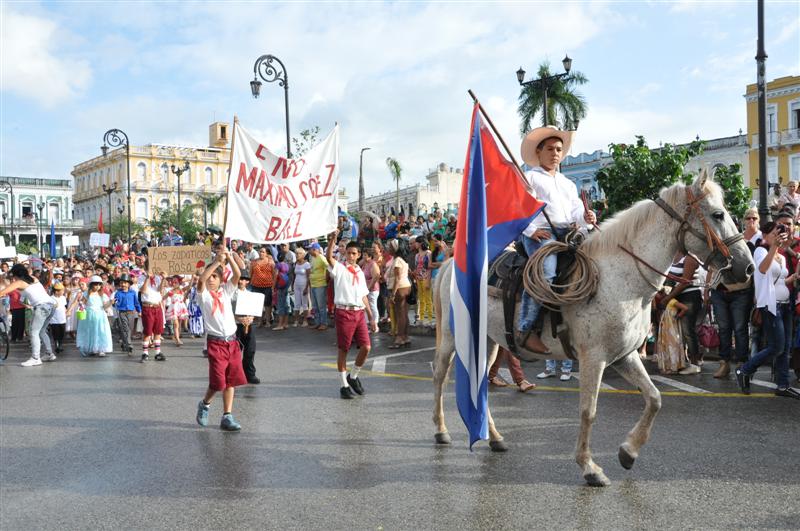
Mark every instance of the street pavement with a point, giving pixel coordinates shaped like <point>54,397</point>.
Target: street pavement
<point>110,443</point>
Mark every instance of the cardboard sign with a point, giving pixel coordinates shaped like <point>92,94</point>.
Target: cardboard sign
<point>180,260</point>
<point>98,239</point>
<point>8,252</point>
<point>249,303</point>
<point>71,241</point>
<point>274,200</point>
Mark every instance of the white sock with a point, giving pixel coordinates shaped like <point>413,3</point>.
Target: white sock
<point>343,378</point>
<point>354,372</point>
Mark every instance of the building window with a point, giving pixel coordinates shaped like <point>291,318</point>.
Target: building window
<point>209,176</point>
<point>53,209</point>
<point>141,208</point>
<point>794,167</point>
<point>772,171</point>
<point>27,209</point>
<point>165,172</point>
<point>141,171</point>
<point>164,204</point>
<point>223,132</point>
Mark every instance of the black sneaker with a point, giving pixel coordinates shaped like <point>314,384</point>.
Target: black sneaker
<point>346,393</point>
<point>145,357</point>
<point>788,392</point>
<point>160,357</point>
<point>255,380</point>
<point>744,381</point>
<point>355,383</point>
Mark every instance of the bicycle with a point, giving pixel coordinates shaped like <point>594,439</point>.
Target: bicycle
<point>5,343</point>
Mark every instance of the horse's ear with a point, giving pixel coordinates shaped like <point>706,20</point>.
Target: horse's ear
<point>700,182</point>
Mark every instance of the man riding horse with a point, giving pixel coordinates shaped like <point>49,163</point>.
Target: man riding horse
<point>542,150</point>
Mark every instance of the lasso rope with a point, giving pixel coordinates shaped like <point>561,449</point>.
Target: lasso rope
<point>583,275</point>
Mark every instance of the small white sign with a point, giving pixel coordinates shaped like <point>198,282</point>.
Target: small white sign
<point>71,241</point>
<point>8,252</point>
<point>98,239</point>
<point>249,303</point>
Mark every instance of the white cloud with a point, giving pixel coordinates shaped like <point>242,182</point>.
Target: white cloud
<point>32,65</point>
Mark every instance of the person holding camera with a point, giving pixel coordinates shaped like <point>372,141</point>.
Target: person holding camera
<point>772,281</point>
<point>688,292</point>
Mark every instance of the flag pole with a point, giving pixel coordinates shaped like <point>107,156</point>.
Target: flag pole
<point>230,172</point>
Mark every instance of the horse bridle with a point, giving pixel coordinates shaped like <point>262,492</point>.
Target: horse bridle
<point>716,245</point>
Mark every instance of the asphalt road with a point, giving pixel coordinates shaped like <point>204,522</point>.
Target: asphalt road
<point>112,444</point>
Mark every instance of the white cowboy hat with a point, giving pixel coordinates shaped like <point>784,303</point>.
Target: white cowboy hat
<point>535,137</point>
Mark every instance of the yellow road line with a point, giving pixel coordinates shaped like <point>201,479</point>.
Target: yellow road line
<point>575,389</point>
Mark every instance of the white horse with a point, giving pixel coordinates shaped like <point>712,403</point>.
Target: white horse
<point>609,328</point>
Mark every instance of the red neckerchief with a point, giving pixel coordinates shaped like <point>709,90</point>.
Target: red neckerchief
<point>153,281</point>
<point>216,304</point>
<point>354,272</point>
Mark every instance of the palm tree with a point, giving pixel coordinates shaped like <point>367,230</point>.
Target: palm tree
<point>209,202</point>
<point>565,106</point>
<point>395,169</point>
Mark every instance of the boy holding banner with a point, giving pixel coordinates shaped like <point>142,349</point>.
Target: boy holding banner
<point>350,297</point>
<point>225,371</point>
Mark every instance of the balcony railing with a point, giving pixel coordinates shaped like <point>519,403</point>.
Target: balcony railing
<point>787,137</point>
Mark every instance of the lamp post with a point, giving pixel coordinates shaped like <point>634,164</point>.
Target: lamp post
<point>5,186</point>
<point>116,138</point>
<point>761,87</point>
<point>40,206</point>
<point>109,190</point>
<point>545,83</point>
<point>361,179</point>
<point>269,72</point>
<point>178,171</point>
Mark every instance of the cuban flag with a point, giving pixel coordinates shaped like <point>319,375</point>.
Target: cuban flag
<point>495,208</point>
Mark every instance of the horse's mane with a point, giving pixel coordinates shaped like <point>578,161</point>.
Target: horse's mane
<point>625,225</point>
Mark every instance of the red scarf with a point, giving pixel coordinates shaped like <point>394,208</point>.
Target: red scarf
<point>354,272</point>
<point>217,302</point>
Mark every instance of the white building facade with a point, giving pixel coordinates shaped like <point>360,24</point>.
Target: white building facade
<point>441,192</point>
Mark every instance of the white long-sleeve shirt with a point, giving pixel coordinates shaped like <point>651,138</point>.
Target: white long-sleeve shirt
<point>564,205</point>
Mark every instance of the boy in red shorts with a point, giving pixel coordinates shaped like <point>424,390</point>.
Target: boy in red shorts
<point>350,298</point>
<point>225,370</point>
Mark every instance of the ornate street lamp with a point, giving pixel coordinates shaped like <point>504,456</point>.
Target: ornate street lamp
<point>361,180</point>
<point>109,190</point>
<point>5,186</point>
<point>116,138</point>
<point>269,72</point>
<point>178,171</point>
<point>545,83</point>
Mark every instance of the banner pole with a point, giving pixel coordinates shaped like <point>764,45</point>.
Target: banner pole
<point>230,172</point>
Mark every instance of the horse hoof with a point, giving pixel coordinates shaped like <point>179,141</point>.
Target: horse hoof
<point>443,438</point>
<point>597,479</point>
<point>626,459</point>
<point>498,446</point>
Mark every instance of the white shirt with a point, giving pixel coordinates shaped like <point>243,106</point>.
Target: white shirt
<point>564,205</point>
<point>349,287</point>
<point>36,294</point>
<point>219,323</point>
<point>153,293</point>
<point>60,313</point>
<point>770,287</point>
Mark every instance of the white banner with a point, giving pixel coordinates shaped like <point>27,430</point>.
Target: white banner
<point>8,252</point>
<point>99,239</point>
<point>272,200</point>
<point>249,303</point>
<point>71,241</point>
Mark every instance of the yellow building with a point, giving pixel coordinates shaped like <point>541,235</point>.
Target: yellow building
<point>783,130</point>
<point>152,182</point>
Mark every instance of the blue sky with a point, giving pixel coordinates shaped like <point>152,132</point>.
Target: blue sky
<point>394,75</point>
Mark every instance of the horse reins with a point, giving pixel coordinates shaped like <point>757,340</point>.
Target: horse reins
<point>713,241</point>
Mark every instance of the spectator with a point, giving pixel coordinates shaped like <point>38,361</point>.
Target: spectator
<point>399,285</point>
<point>301,287</point>
<point>422,275</point>
<point>282,283</point>
<point>319,286</point>
<point>262,275</point>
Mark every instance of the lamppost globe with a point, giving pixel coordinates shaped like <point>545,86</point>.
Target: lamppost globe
<point>567,62</point>
<point>255,88</point>
<point>520,75</point>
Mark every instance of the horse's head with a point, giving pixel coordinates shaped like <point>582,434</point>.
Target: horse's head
<point>710,233</point>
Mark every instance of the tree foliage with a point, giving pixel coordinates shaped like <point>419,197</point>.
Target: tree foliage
<point>737,195</point>
<point>638,172</point>
<point>306,141</point>
<point>396,170</point>
<point>119,228</point>
<point>189,224</point>
<point>565,105</point>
